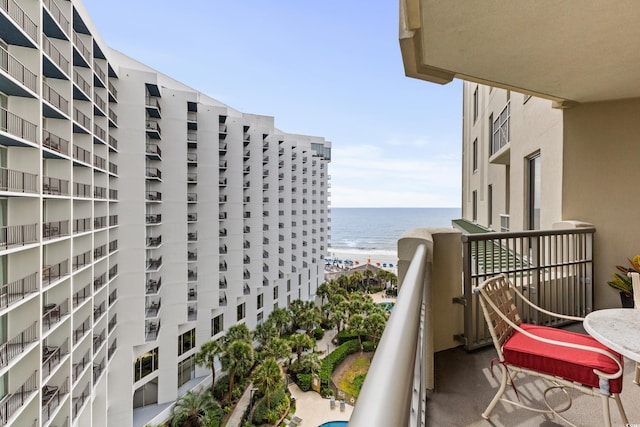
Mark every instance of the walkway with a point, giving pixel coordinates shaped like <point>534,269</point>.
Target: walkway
<point>241,406</point>
<point>314,410</point>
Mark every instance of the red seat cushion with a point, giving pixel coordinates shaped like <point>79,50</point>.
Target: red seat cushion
<point>568,363</point>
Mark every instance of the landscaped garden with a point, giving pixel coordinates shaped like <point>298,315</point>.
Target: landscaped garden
<point>286,344</point>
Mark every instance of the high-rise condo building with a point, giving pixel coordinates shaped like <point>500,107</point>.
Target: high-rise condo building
<point>140,219</point>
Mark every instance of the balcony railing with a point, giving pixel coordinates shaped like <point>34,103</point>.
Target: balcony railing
<point>54,10</point>
<point>55,186</point>
<point>51,273</point>
<point>81,154</point>
<point>18,235</point>
<point>53,313</point>
<point>151,330</point>
<point>153,219</point>
<point>153,286</point>
<point>153,196</point>
<point>81,190</point>
<point>51,398</point>
<point>80,296</point>
<point>112,349</point>
<point>81,225</point>
<point>78,401</point>
<point>54,98</point>
<point>55,55</point>
<point>14,401</point>
<point>81,83</point>
<point>99,281</point>
<point>21,182</point>
<point>98,340</point>
<point>15,69</point>
<point>23,20</point>
<point>55,229</point>
<point>52,355</point>
<point>99,222</point>
<point>401,348</point>
<point>81,118</point>
<point>17,126</point>
<point>80,366</point>
<point>81,330</point>
<point>18,290</point>
<point>81,260</point>
<point>16,345</point>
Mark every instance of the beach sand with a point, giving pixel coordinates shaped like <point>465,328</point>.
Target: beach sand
<point>362,257</point>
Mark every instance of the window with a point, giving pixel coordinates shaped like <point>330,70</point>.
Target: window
<point>259,317</point>
<point>146,395</point>
<point>475,104</point>
<point>186,370</point>
<point>289,285</point>
<point>533,192</point>
<point>145,364</point>
<point>490,205</point>
<point>260,301</point>
<point>500,130</point>
<point>474,207</point>
<point>475,154</point>
<point>275,292</point>
<point>186,341</point>
<point>217,324</point>
<point>240,311</point>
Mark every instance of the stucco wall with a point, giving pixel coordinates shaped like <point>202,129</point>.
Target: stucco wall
<point>601,172</point>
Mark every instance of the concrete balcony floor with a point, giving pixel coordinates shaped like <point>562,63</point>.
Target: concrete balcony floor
<point>465,386</point>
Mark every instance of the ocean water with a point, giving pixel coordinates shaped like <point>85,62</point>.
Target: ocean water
<point>371,231</point>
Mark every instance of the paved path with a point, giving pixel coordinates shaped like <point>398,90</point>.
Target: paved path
<point>314,410</point>
<point>238,411</point>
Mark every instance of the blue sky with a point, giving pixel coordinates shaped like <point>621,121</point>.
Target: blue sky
<point>328,68</point>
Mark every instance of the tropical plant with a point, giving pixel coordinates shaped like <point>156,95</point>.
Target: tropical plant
<point>267,377</point>
<point>239,332</point>
<point>278,348</point>
<point>375,326</point>
<point>191,410</point>
<point>300,342</point>
<point>265,332</point>
<point>622,282</point>
<point>357,325</point>
<point>323,291</point>
<point>237,360</point>
<point>281,318</point>
<point>207,355</point>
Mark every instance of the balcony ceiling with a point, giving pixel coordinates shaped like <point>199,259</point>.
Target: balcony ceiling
<point>566,51</point>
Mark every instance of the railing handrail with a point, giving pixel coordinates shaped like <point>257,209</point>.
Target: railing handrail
<point>391,375</point>
<point>525,233</point>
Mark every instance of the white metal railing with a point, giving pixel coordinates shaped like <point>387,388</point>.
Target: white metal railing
<point>399,362</point>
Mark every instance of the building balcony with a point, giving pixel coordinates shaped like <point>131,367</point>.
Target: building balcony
<point>192,255</point>
<point>17,80</point>
<point>81,296</point>
<point>192,197</point>
<point>222,284</point>
<point>153,196</point>
<point>14,130</point>
<point>192,295</point>
<point>98,340</point>
<point>153,129</point>
<point>192,313</point>
<point>153,219</point>
<point>192,217</point>
<point>14,400</point>
<point>154,264</point>
<point>192,236</point>
<point>192,140</point>
<point>18,344</point>
<point>82,225</point>
<point>55,186</point>
<point>153,174</point>
<point>82,122</point>
<point>80,399</point>
<point>222,299</point>
<point>153,152</point>
<point>98,311</point>
<point>81,331</point>
<point>52,356</point>
<point>152,105</point>
<point>192,275</point>
<point>112,349</point>
<point>153,286</point>
<point>55,63</point>
<point>154,242</point>
<point>81,260</point>
<point>99,76</point>
<point>151,330</point>
<point>53,313</point>
<point>99,282</point>
<point>437,321</point>
<point>100,222</point>
<point>192,178</point>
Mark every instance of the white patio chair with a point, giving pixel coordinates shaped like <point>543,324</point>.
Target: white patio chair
<point>563,358</point>
<point>635,281</point>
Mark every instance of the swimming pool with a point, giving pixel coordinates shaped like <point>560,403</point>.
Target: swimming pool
<point>335,424</point>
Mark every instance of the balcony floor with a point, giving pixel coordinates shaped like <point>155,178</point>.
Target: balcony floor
<point>464,388</point>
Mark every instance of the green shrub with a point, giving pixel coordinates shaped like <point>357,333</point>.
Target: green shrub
<point>358,381</point>
<point>368,346</point>
<point>279,404</point>
<point>346,335</point>
<point>304,381</point>
<point>336,357</point>
<point>318,333</point>
<point>221,388</point>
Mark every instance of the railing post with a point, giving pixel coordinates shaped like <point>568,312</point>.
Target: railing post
<point>534,248</point>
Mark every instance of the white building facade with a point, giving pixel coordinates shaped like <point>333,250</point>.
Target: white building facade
<point>141,218</point>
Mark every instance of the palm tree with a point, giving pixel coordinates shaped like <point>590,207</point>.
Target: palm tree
<point>375,324</point>
<point>300,342</point>
<point>206,357</point>
<point>267,377</point>
<point>265,332</point>
<point>323,291</point>
<point>309,363</point>
<point>338,316</point>
<point>357,277</point>
<point>308,317</point>
<point>357,324</point>
<point>239,332</point>
<point>278,348</point>
<point>343,281</point>
<point>368,274</point>
<point>281,318</point>
<point>237,360</point>
<point>192,407</point>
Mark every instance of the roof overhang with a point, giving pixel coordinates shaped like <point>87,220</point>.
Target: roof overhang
<point>568,51</point>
